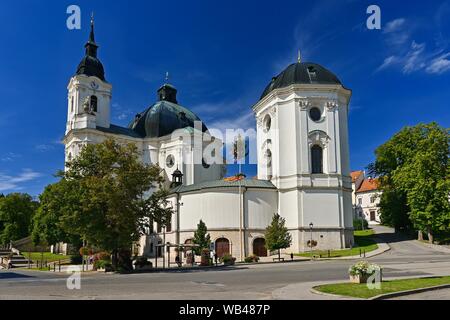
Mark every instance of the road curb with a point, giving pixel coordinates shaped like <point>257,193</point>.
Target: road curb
<point>409,292</point>
<point>317,292</point>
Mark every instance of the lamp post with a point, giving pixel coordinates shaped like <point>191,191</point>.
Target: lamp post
<point>311,225</point>
<point>164,247</point>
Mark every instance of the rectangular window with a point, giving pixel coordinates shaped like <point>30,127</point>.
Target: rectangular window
<point>360,201</point>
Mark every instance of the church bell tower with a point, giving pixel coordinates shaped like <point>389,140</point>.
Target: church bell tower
<point>89,94</point>
<point>303,149</point>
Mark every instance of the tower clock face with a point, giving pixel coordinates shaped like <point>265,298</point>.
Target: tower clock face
<point>94,85</point>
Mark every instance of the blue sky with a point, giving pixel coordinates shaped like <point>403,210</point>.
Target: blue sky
<point>220,56</point>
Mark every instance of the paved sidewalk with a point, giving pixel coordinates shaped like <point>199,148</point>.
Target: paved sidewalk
<point>302,291</point>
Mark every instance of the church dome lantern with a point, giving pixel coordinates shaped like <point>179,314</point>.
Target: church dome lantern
<point>165,116</point>
<point>177,178</point>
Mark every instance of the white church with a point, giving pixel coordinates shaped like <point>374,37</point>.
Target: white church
<point>302,154</point>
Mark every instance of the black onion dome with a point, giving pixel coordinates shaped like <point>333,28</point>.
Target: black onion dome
<point>301,73</point>
<point>165,116</point>
<point>90,65</point>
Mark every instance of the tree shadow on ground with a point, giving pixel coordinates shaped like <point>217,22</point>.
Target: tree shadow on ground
<point>13,275</point>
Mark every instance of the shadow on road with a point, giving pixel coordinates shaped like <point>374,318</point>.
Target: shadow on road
<point>13,275</point>
<point>192,270</point>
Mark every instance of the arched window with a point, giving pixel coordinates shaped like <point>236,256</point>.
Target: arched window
<point>268,158</point>
<point>94,102</point>
<point>317,159</point>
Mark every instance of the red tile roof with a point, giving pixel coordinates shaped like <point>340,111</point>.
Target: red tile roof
<point>368,185</point>
<point>356,174</point>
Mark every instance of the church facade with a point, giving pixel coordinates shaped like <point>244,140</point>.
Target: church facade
<point>302,160</point>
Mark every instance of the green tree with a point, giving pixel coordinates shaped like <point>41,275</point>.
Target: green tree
<point>16,213</point>
<point>414,169</point>
<point>277,235</point>
<point>157,210</point>
<point>101,198</point>
<point>57,198</point>
<point>201,238</point>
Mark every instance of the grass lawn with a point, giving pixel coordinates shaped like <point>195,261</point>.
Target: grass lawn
<point>361,290</point>
<point>47,256</point>
<point>363,240</point>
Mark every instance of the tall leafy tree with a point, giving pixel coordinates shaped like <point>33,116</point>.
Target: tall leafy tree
<point>201,238</point>
<point>57,198</point>
<point>101,197</point>
<point>414,169</point>
<point>277,235</point>
<point>16,213</point>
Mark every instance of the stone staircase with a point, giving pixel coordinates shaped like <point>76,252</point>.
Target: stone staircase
<point>17,260</point>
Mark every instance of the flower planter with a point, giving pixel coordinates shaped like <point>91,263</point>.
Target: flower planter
<point>359,278</point>
<point>365,278</point>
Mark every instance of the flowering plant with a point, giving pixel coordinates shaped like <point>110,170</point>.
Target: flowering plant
<point>364,268</point>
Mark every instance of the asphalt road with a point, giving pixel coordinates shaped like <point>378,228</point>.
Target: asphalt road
<point>407,258</point>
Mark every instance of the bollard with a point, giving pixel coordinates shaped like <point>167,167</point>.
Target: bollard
<point>59,265</point>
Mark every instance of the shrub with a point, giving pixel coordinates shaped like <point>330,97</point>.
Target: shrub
<point>359,223</point>
<point>364,268</point>
<point>251,258</point>
<point>228,259</point>
<point>102,264</point>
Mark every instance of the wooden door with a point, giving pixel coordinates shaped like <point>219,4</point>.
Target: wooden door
<point>222,247</point>
<point>259,247</point>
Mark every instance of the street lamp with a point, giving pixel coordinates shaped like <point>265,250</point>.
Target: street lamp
<point>311,225</point>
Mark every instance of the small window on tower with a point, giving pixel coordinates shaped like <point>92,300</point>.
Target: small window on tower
<point>317,159</point>
<point>71,104</point>
<point>94,102</point>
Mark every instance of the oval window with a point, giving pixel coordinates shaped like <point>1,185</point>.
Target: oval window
<point>315,114</point>
<point>170,161</point>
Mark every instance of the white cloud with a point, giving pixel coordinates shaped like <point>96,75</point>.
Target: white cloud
<point>394,25</point>
<point>397,33</point>
<point>414,59</point>
<point>418,58</point>
<point>121,113</point>
<point>9,157</point>
<point>439,65</point>
<point>389,61</point>
<point>12,183</point>
<point>44,147</point>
